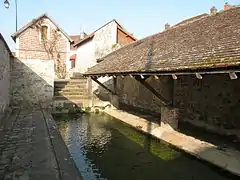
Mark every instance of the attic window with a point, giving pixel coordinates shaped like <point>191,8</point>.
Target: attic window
<point>44,32</point>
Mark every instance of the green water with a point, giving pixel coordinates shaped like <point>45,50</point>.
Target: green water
<point>105,148</point>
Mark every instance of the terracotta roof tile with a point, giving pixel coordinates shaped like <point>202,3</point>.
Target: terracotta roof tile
<point>210,42</point>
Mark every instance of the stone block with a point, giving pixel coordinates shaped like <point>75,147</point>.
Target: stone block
<point>169,117</point>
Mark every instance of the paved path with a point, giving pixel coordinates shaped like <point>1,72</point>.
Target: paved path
<point>31,148</point>
<point>226,159</point>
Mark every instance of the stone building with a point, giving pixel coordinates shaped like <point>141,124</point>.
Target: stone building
<point>5,66</point>
<point>42,50</point>
<point>187,73</point>
<point>43,39</point>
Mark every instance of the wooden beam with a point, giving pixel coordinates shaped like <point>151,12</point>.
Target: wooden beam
<point>150,88</point>
<point>174,76</point>
<point>233,75</point>
<point>199,76</point>
<point>109,90</point>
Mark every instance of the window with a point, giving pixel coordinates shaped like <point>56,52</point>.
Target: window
<point>44,32</point>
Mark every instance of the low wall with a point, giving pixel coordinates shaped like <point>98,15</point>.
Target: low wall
<point>32,82</point>
<point>4,75</point>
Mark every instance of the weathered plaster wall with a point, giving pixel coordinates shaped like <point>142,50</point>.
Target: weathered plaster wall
<point>212,102</point>
<point>104,39</point>
<point>32,81</point>
<point>85,57</point>
<point>4,76</point>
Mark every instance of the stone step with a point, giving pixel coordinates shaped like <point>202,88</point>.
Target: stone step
<point>70,89</point>
<point>71,81</point>
<point>70,85</point>
<point>62,93</point>
<point>71,97</point>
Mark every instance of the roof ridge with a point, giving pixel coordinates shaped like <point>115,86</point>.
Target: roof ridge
<point>33,21</point>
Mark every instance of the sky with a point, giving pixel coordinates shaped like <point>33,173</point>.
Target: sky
<point>140,17</point>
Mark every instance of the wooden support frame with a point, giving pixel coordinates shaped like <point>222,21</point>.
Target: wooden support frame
<point>109,90</point>
<point>150,88</point>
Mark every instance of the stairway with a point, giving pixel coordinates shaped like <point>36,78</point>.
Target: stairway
<point>73,91</point>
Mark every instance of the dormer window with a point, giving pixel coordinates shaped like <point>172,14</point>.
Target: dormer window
<point>44,33</point>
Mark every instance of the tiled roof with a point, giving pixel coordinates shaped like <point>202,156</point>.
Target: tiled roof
<point>207,43</point>
<point>21,30</point>
<point>75,38</point>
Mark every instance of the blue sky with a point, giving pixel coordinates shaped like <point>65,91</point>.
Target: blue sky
<point>140,17</point>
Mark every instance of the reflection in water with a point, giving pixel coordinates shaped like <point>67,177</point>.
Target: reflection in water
<point>105,148</point>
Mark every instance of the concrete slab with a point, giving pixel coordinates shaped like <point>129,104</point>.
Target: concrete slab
<point>227,159</point>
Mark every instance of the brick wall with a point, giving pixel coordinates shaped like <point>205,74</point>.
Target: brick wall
<point>4,75</point>
<point>211,103</point>
<point>29,45</point>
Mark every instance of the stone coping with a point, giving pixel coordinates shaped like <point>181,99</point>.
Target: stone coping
<point>67,166</point>
<point>227,159</point>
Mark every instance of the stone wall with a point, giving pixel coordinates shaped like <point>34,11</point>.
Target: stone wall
<point>214,100</point>
<point>4,75</point>
<point>211,103</point>
<point>134,94</point>
<point>32,81</point>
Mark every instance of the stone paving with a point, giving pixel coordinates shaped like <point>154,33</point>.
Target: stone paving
<point>27,151</point>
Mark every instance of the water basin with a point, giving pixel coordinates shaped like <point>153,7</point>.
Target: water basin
<point>104,148</point>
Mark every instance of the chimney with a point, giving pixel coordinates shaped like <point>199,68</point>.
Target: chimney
<point>227,6</point>
<point>167,26</point>
<point>213,10</point>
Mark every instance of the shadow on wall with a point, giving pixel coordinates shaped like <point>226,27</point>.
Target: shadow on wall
<point>32,82</point>
<point>208,108</point>
<point>100,92</point>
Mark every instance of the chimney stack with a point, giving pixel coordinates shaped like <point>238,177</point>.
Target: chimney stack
<point>213,10</point>
<point>167,26</point>
<point>227,6</point>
